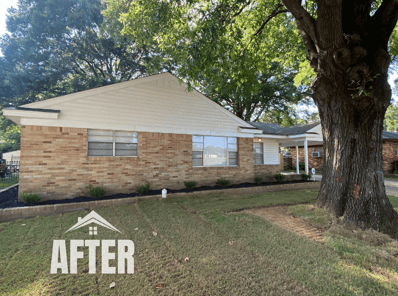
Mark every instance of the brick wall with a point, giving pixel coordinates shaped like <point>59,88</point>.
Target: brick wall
<point>313,162</point>
<point>317,163</point>
<point>388,155</point>
<point>54,163</point>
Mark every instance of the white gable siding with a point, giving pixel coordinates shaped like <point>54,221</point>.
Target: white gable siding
<point>155,105</point>
<point>271,151</point>
<point>317,129</point>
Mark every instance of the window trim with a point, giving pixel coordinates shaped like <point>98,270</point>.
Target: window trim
<point>113,144</point>
<point>395,149</point>
<point>203,151</point>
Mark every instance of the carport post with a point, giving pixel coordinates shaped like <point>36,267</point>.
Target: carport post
<point>306,155</point>
<point>297,161</point>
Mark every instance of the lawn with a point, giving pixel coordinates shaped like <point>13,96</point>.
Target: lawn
<point>7,182</point>
<point>202,247</point>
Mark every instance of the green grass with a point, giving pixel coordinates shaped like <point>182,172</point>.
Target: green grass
<point>230,252</point>
<point>9,182</point>
<point>393,178</point>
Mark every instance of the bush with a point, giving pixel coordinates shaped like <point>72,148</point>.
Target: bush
<point>95,191</point>
<point>279,177</point>
<point>257,180</point>
<point>301,166</point>
<point>223,182</point>
<point>306,177</point>
<point>143,189</point>
<point>30,198</point>
<point>395,166</point>
<point>190,184</point>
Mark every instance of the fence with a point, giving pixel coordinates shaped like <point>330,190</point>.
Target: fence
<point>9,170</point>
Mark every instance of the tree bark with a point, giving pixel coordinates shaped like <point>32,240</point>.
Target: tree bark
<point>347,48</point>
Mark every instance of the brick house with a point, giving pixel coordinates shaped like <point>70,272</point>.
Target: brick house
<point>315,152</point>
<point>122,135</point>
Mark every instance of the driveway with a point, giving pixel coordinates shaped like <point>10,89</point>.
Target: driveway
<point>391,186</point>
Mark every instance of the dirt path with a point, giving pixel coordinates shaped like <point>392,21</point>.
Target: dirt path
<point>280,216</point>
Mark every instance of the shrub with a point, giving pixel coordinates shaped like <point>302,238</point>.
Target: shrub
<point>190,184</point>
<point>257,180</point>
<point>223,182</point>
<point>394,166</point>
<point>279,177</point>
<point>143,189</point>
<point>95,191</point>
<point>306,177</point>
<point>30,198</point>
<point>301,166</point>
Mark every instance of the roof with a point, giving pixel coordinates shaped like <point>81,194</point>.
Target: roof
<point>274,129</point>
<point>33,109</point>
<point>390,135</point>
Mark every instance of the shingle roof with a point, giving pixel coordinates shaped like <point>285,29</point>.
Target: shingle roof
<point>390,135</point>
<point>274,129</point>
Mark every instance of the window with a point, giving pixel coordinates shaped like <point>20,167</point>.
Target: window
<point>319,150</point>
<point>112,143</point>
<point>214,151</point>
<point>258,153</point>
<point>396,149</point>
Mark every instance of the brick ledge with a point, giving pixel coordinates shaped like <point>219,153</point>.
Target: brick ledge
<point>11,214</point>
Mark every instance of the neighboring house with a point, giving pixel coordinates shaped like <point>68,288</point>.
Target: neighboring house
<point>148,129</point>
<point>315,152</point>
<point>12,157</point>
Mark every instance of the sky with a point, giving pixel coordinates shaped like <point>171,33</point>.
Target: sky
<point>4,4</point>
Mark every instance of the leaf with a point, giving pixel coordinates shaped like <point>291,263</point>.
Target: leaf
<point>154,233</point>
<point>112,285</point>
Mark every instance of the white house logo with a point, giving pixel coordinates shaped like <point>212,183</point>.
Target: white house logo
<point>93,217</point>
<point>125,249</point>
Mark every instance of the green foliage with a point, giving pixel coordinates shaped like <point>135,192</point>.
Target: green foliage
<point>143,189</point>
<point>95,191</point>
<point>257,180</point>
<point>391,119</point>
<point>221,53</point>
<point>53,48</point>
<point>394,165</point>
<point>279,177</point>
<point>222,182</point>
<point>190,184</point>
<point>301,166</point>
<point>30,198</point>
<point>306,177</point>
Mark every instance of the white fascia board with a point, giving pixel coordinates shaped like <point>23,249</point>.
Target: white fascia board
<point>17,115</point>
<point>271,136</point>
<point>249,130</point>
<point>304,136</point>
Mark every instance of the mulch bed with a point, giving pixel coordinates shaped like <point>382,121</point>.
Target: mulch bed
<point>9,198</point>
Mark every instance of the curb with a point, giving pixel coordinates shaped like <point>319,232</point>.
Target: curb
<point>47,210</point>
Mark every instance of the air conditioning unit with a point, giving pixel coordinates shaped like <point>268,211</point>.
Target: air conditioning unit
<point>316,154</point>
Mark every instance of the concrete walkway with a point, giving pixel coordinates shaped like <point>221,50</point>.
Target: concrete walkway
<point>391,186</point>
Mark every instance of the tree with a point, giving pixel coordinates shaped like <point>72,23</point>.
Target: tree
<point>289,116</point>
<point>55,47</point>
<point>346,43</point>
<point>391,119</point>
<point>276,91</point>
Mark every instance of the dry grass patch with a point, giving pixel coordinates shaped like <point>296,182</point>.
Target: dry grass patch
<point>313,215</point>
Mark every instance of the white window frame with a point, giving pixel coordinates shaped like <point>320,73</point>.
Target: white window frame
<point>203,150</point>
<point>262,153</point>
<point>113,144</point>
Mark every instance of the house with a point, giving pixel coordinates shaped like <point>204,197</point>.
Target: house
<point>148,129</point>
<point>12,157</point>
<point>315,150</point>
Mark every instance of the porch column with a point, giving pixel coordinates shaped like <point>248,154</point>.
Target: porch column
<point>297,161</point>
<point>306,155</point>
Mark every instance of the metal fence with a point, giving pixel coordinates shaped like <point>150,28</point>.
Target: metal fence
<point>9,170</point>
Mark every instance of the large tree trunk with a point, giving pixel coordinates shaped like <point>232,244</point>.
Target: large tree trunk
<point>352,123</point>
<point>347,48</point>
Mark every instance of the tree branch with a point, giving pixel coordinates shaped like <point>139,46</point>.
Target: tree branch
<point>273,14</point>
<point>301,15</point>
<point>384,21</point>
<point>310,46</point>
